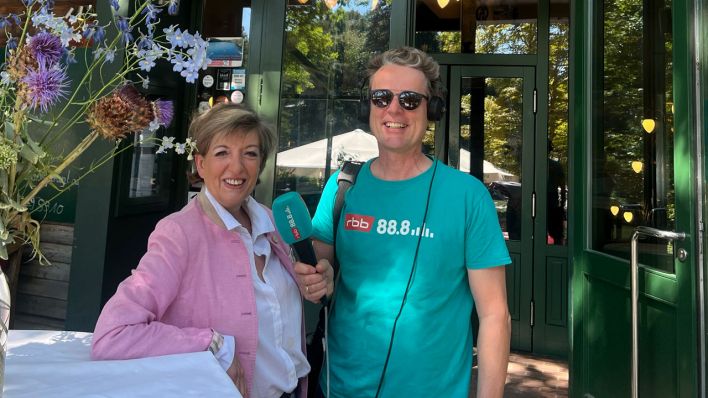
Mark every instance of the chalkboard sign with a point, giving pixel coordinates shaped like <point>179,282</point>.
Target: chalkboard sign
<point>47,206</point>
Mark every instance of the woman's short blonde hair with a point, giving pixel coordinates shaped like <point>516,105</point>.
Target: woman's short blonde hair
<point>225,119</point>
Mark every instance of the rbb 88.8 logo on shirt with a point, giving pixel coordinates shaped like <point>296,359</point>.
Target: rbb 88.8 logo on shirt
<point>362,223</point>
<point>402,228</point>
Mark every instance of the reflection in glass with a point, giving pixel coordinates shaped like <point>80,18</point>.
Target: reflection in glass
<point>491,126</point>
<point>556,183</point>
<point>635,84</point>
<point>477,26</point>
<point>148,169</point>
<point>324,65</point>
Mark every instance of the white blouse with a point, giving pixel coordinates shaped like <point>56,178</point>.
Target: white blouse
<point>279,357</point>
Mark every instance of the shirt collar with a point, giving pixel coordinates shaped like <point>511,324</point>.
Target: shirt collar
<point>260,222</point>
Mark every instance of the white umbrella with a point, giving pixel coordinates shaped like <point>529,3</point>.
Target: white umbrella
<point>353,145</point>
<point>491,172</point>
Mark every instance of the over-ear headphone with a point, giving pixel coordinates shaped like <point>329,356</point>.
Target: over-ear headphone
<point>436,103</point>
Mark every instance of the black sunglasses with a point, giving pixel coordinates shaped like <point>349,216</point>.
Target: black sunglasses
<point>409,100</point>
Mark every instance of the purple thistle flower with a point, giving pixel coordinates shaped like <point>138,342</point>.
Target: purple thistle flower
<point>46,48</point>
<point>45,87</point>
<point>164,111</point>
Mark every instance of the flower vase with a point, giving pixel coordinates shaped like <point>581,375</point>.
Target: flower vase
<point>8,268</point>
<point>4,325</point>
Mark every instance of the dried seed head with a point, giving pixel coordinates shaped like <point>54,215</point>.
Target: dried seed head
<point>123,112</point>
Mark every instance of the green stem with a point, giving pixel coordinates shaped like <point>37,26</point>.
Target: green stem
<point>94,166</point>
<point>73,155</point>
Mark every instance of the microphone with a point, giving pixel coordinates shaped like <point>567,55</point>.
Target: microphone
<point>292,220</point>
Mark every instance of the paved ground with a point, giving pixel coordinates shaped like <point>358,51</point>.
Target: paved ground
<point>534,376</point>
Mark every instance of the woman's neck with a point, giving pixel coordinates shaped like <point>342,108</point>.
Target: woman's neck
<point>243,218</point>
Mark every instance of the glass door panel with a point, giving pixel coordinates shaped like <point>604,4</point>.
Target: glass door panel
<point>633,142</point>
<point>491,141</point>
<point>492,135</point>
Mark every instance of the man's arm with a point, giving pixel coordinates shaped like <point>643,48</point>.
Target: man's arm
<point>488,288</point>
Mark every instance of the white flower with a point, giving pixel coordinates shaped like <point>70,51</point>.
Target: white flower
<point>167,142</point>
<point>154,125</point>
<point>5,78</point>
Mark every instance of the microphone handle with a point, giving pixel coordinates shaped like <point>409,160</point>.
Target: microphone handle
<point>304,252</point>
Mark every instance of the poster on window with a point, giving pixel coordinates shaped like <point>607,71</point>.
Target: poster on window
<point>225,51</point>
<point>238,79</point>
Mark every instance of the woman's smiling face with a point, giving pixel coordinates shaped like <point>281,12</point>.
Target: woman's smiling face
<point>230,168</point>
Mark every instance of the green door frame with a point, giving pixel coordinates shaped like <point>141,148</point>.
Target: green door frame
<point>701,29</point>
<point>586,339</point>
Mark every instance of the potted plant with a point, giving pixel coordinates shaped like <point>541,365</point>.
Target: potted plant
<point>40,105</point>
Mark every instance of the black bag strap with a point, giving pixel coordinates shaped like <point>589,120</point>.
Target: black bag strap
<point>345,179</point>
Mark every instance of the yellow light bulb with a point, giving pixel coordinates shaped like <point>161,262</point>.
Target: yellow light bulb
<point>443,3</point>
<point>649,125</point>
<point>637,166</point>
<point>302,1</point>
<point>614,210</point>
<point>628,216</point>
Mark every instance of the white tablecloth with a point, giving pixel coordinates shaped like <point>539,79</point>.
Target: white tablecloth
<point>57,364</point>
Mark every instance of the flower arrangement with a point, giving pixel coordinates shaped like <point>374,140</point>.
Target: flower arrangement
<point>39,104</point>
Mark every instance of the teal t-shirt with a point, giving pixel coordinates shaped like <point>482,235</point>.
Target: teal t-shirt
<point>377,236</point>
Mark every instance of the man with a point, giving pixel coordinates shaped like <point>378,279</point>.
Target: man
<point>419,244</point>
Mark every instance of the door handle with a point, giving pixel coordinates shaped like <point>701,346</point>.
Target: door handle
<point>634,267</point>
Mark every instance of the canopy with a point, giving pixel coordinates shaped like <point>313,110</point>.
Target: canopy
<point>360,145</point>
<point>491,172</point>
<point>353,145</point>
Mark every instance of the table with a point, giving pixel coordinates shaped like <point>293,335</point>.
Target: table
<point>57,364</point>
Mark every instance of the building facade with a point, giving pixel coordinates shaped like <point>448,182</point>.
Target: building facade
<point>585,120</point>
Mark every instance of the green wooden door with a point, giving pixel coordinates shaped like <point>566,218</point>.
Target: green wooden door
<point>493,111</point>
<point>634,140</point>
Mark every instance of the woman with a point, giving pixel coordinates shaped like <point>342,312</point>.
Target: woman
<point>216,274</point>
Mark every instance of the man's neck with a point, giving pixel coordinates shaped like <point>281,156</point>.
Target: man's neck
<point>396,167</point>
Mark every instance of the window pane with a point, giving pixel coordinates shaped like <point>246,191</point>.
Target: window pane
<point>491,142</point>
<point>324,64</point>
<point>632,166</point>
<point>476,26</point>
<point>556,185</point>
